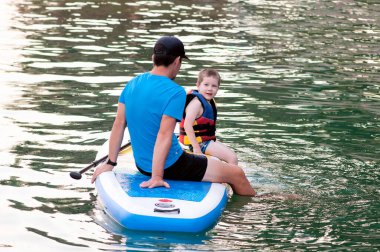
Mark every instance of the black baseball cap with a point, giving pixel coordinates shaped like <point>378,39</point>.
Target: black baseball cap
<point>169,45</point>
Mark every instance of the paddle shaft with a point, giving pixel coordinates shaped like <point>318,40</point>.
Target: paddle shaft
<point>78,175</point>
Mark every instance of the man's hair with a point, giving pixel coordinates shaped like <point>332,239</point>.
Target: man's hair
<point>163,60</point>
<point>166,49</point>
<point>208,72</point>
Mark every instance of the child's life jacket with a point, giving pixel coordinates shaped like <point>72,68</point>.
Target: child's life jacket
<point>204,126</point>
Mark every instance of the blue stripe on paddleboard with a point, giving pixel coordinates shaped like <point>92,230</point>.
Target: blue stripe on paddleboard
<point>183,190</point>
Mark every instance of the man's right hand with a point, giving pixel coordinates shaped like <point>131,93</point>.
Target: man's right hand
<point>154,181</point>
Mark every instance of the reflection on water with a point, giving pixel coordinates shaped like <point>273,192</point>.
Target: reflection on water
<point>299,102</point>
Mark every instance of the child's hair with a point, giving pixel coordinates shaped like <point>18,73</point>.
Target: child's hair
<point>208,72</point>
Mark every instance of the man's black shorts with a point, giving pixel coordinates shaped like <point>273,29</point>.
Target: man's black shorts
<point>189,167</point>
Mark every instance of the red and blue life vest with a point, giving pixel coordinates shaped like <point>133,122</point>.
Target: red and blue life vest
<point>204,126</point>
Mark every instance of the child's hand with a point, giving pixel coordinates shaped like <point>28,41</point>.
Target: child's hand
<point>197,151</point>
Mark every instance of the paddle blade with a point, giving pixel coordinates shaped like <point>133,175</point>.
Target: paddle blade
<point>75,175</point>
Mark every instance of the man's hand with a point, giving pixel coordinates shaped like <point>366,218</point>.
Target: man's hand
<point>100,169</point>
<point>154,181</point>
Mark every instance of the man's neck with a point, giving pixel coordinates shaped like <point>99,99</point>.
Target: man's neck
<point>162,71</point>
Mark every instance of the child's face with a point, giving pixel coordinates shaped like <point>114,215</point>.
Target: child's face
<point>208,87</point>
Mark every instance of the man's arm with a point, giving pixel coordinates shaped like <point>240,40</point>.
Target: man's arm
<point>161,150</point>
<point>117,134</point>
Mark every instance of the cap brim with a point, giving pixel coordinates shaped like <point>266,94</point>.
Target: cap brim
<point>185,57</point>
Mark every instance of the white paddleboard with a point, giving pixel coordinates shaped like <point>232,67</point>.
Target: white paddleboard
<point>184,207</point>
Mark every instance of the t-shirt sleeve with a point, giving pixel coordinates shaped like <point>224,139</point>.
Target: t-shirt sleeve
<point>122,96</point>
<point>176,105</point>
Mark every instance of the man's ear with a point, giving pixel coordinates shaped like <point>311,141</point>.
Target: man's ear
<point>178,60</point>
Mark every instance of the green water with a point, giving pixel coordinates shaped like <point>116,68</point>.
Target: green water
<point>299,102</point>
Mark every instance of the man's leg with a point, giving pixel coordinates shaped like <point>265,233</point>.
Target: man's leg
<point>218,171</point>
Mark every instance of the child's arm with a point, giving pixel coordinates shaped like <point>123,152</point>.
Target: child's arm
<point>193,110</point>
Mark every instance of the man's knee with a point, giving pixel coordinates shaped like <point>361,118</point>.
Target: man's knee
<point>238,173</point>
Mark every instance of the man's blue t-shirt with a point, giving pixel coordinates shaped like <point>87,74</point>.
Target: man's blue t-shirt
<point>147,98</point>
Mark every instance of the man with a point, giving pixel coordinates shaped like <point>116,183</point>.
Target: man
<point>152,103</point>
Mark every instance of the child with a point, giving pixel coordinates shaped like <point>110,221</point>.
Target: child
<point>197,127</point>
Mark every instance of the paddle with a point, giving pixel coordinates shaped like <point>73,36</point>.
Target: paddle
<point>78,175</point>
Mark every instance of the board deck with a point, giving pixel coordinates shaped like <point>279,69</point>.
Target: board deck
<point>184,207</point>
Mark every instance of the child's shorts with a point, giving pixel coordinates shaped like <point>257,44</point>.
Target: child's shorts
<point>203,146</point>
